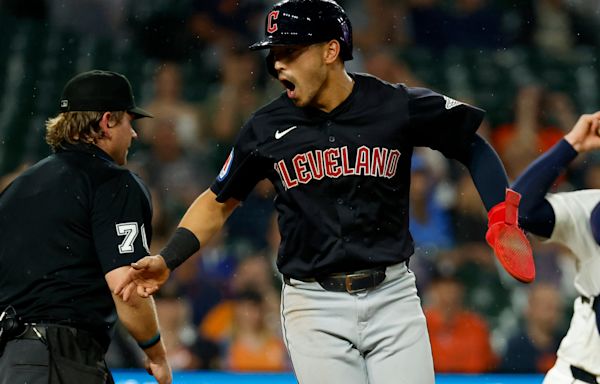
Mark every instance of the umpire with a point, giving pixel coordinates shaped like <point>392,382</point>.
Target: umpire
<point>69,228</point>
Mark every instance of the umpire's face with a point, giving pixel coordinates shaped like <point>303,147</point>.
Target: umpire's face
<point>302,70</point>
<point>121,134</point>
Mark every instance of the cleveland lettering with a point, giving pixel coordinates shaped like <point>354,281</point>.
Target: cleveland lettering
<point>335,162</point>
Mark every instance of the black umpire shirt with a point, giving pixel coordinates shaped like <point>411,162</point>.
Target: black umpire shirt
<point>343,178</point>
<point>64,223</point>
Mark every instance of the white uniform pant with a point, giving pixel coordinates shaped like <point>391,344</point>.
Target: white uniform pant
<point>377,336</point>
<point>580,347</point>
<point>561,374</point>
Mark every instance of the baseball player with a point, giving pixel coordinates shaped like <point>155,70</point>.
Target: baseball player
<point>572,219</point>
<point>337,147</point>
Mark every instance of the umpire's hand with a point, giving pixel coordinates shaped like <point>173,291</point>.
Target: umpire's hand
<point>160,369</point>
<point>146,276</point>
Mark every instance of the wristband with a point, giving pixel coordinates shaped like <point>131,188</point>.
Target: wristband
<point>180,247</point>
<point>150,342</point>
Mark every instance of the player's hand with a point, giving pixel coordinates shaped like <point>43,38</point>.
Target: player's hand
<point>585,134</point>
<point>160,369</point>
<point>145,276</point>
<point>508,241</point>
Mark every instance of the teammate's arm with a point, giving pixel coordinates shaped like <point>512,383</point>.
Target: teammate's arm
<point>203,219</point>
<point>138,315</point>
<point>536,213</point>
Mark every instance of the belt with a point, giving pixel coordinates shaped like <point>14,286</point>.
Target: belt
<point>590,300</point>
<point>349,282</point>
<point>583,375</point>
<point>35,331</point>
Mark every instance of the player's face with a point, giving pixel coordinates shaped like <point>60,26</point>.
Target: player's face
<point>123,134</point>
<point>302,71</point>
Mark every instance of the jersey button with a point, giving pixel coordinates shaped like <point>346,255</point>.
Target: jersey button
<point>329,123</point>
<point>340,201</point>
<point>331,139</point>
<point>347,239</point>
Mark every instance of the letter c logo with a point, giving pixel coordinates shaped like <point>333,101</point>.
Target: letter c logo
<point>271,26</point>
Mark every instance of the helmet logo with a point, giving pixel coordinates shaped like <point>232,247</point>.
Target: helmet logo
<point>271,26</point>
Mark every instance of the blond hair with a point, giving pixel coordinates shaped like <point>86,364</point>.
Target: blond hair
<point>77,127</point>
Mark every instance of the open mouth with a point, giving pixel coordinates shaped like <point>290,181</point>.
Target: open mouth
<point>288,85</point>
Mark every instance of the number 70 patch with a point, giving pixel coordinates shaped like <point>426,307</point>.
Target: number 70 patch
<point>130,231</point>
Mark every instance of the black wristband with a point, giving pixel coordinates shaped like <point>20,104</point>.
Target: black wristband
<point>150,342</point>
<point>180,247</point>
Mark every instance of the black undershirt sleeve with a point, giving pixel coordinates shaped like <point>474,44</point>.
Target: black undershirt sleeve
<point>486,170</point>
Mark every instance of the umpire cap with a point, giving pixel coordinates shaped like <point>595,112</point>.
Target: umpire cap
<point>302,22</point>
<point>101,91</point>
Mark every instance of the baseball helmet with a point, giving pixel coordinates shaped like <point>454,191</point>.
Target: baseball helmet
<point>302,22</point>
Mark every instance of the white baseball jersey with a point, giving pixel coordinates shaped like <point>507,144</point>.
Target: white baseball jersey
<point>581,345</point>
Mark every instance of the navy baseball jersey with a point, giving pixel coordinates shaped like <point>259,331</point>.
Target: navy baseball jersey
<point>96,217</point>
<point>342,178</point>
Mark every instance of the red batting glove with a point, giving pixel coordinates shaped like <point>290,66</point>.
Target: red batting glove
<point>508,241</point>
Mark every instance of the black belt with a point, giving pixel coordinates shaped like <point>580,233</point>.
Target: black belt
<point>349,282</point>
<point>590,300</point>
<point>38,331</point>
<point>583,375</point>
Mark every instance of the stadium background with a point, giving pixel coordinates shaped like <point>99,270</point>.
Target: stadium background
<point>531,64</point>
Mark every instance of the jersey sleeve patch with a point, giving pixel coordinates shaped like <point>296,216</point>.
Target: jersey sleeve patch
<point>226,167</point>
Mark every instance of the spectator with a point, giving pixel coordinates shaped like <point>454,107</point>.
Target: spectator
<point>256,273</point>
<point>176,173</point>
<point>532,349</point>
<point>383,64</point>
<point>429,221</point>
<point>460,340</point>
<point>379,23</point>
<point>185,350</point>
<point>212,20</point>
<point>541,120</point>
<point>168,103</point>
<point>249,225</point>
<point>254,345</point>
<point>552,27</point>
<point>237,96</point>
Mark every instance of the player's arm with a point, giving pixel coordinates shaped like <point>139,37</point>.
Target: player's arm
<point>203,219</point>
<point>138,315</point>
<point>486,170</point>
<point>449,126</point>
<point>536,213</point>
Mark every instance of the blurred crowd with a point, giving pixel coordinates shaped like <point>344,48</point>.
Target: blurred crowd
<point>220,310</point>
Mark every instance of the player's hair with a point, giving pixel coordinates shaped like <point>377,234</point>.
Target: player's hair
<point>76,127</point>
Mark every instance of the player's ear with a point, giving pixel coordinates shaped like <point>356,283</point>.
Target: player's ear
<point>331,51</point>
<point>105,124</point>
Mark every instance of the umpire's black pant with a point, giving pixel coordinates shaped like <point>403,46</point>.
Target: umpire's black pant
<point>24,361</point>
<point>63,355</point>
